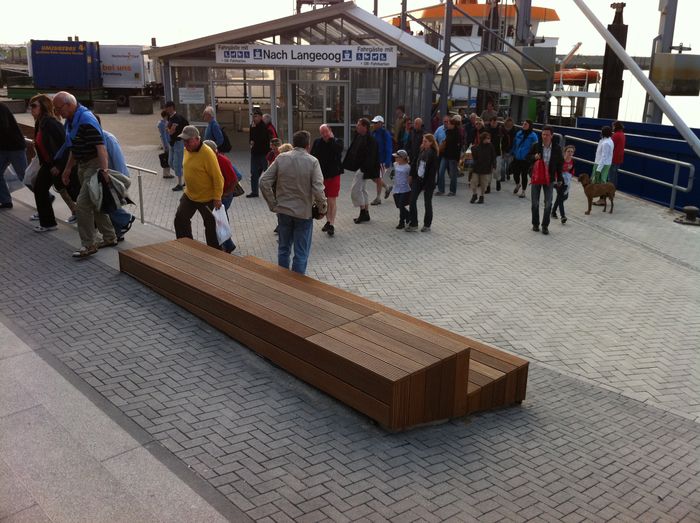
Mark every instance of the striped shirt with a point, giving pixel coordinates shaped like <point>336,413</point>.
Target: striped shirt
<point>84,146</point>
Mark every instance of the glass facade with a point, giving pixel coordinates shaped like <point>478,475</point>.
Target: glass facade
<point>304,97</point>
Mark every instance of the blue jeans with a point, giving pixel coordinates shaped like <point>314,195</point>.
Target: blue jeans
<point>258,165</point>
<point>177,155</point>
<point>296,231</point>
<point>536,190</point>
<point>452,167</point>
<point>612,174</point>
<point>18,160</point>
<point>559,202</point>
<point>226,201</point>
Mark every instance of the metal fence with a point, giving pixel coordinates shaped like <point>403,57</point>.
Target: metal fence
<point>140,170</point>
<point>674,186</point>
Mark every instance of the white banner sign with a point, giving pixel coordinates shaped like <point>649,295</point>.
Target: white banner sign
<point>307,55</point>
<point>191,95</point>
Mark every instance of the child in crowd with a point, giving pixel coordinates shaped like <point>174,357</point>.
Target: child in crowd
<point>484,155</point>
<point>563,187</point>
<point>274,150</point>
<point>402,186</point>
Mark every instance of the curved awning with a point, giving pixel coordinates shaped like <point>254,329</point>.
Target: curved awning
<point>490,71</point>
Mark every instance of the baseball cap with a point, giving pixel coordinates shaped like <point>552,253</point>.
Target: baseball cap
<point>378,119</point>
<point>189,132</point>
<point>169,103</point>
<point>401,153</point>
<point>211,144</point>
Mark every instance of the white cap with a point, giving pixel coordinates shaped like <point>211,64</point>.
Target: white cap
<point>378,119</point>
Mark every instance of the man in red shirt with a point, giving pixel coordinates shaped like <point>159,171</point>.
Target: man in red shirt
<point>230,180</point>
<point>618,139</point>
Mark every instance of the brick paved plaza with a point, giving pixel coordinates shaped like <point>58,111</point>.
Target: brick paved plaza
<point>605,308</point>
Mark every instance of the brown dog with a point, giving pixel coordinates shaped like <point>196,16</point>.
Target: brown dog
<point>601,190</point>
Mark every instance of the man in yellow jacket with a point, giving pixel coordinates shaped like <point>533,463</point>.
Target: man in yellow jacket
<point>204,185</point>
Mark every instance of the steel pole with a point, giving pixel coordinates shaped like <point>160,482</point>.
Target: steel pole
<point>143,220</point>
<point>637,72</point>
<point>446,44</point>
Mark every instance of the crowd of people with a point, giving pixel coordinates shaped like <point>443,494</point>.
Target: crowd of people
<point>299,181</point>
<point>82,161</point>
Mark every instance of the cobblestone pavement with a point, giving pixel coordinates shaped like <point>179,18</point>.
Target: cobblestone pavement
<point>609,298</point>
<point>605,308</point>
<point>281,450</point>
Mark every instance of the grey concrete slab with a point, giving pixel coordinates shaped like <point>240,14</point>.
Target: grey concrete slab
<point>100,436</point>
<point>67,483</point>
<point>14,396</point>
<point>32,514</point>
<point>10,345</point>
<point>171,499</point>
<point>14,497</point>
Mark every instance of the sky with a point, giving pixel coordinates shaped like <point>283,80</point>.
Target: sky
<point>135,22</point>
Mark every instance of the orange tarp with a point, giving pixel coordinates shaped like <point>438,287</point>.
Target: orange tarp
<point>437,12</point>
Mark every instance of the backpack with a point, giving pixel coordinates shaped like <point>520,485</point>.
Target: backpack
<point>226,146</point>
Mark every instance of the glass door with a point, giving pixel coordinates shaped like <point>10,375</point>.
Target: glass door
<point>335,110</point>
<point>307,107</point>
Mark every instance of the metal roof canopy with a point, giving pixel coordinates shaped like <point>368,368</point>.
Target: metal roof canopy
<point>343,23</point>
<point>490,71</point>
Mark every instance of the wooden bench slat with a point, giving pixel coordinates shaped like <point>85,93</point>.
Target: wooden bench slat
<point>436,338</point>
<point>373,364</point>
<point>393,358</point>
<point>158,275</point>
<point>407,338</point>
<point>243,271</point>
<point>272,303</point>
<point>382,340</point>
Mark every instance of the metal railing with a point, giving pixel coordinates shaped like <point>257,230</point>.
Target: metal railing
<point>140,170</point>
<point>673,186</point>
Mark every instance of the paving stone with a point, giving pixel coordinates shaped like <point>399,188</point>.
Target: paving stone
<point>609,429</point>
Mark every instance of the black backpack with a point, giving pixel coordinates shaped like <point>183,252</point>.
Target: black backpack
<point>226,146</point>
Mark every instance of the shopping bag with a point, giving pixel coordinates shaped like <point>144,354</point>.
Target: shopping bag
<point>31,173</point>
<point>223,229</point>
<point>14,182</point>
<point>540,173</point>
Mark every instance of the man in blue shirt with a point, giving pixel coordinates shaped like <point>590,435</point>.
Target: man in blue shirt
<point>441,132</point>
<point>385,143</point>
<point>213,131</point>
<point>121,219</point>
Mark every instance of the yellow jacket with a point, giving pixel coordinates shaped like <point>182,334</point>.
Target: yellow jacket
<point>203,179</point>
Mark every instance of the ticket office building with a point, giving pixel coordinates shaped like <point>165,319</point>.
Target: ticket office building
<point>332,65</point>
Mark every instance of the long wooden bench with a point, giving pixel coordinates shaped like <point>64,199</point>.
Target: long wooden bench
<point>396,369</point>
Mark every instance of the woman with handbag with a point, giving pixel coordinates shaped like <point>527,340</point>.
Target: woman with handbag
<point>49,136</point>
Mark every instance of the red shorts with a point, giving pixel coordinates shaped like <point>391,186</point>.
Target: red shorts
<point>332,186</point>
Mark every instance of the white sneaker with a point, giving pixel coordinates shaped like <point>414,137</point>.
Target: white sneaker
<point>39,228</point>
<point>73,219</point>
<point>34,217</point>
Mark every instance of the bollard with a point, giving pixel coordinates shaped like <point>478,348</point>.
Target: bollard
<point>104,107</point>
<point>140,105</point>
